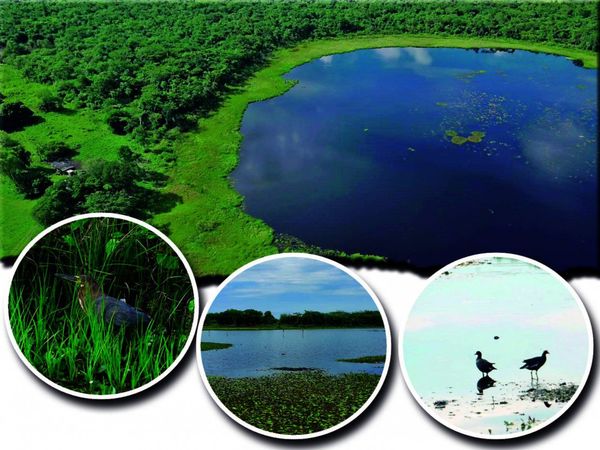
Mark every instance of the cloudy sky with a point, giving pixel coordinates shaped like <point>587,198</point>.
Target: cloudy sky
<point>293,284</point>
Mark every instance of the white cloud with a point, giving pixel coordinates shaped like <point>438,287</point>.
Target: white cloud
<point>390,53</point>
<point>419,56</point>
<point>295,275</point>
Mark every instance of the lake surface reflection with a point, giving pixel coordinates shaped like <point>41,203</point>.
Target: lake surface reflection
<point>258,352</point>
<point>427,155</point>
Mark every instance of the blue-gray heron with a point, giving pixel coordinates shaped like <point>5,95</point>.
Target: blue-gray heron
<point>111,310</point>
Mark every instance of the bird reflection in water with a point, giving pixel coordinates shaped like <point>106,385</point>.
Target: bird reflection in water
<point>484,383</point>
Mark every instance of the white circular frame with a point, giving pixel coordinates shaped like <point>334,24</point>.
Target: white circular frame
<point>544,424</point>
<point>388,342</point>
<point>120,394</point>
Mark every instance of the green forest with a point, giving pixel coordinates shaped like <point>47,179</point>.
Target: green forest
<point>147,97</point>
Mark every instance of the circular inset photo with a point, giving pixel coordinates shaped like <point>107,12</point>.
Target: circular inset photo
<point>497,346</point>
<point>101,306</point>
<point>294,346</point>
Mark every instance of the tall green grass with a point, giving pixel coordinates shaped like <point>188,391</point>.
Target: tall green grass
<point>74,347</point>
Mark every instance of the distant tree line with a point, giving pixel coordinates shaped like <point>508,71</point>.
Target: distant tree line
<point>253,318</point>
<point>154,66</point>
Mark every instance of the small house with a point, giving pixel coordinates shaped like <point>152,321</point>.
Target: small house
<point>65,167</point>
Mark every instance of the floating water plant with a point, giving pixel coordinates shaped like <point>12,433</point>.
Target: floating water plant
<point>365,359</point>
<point>458,140</point>
<point>295,403</point>
<point>470,75</point>
<point>475,137</point>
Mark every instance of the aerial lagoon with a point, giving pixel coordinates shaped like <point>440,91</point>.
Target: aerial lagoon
<point>426,155</point>
<point>509,310</point>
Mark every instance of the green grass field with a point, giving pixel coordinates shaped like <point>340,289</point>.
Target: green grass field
<point>83,128</point>
<point>295,403</point>
<point>74,347</point>
<point>209,225</point>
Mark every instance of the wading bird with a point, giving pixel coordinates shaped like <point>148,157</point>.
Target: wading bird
<point>535,363</point>
<point>483,365</point>
<point>109,309</point>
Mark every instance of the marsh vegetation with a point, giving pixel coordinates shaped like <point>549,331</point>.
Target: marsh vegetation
<point>74,347</point>
<point>295,403</point>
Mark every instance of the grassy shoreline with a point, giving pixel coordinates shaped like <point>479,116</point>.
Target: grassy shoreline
<point>208,346</point>
<point>210,226</point>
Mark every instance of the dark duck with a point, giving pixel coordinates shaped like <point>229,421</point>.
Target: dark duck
<point>535,363</point>
<point>109,309</point>
<point>484,366</point>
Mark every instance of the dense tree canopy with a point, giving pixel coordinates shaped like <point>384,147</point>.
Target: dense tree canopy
<point>161,65</point>
<point>14,116</point>
<point>253,318</point>
<point>15,163</point>
<point>105,186</point>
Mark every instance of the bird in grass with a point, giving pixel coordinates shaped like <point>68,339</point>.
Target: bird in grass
<point>109,309</point>
<point>484,366</point>
<point>535,363</point>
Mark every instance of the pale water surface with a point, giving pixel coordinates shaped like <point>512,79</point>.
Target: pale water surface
<point>463,311</point>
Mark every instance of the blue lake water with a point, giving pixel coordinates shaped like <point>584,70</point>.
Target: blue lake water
<point>257,352</point>
<point>358,156</point>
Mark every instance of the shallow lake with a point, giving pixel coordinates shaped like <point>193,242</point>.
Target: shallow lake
<point>258,352</point>
<point>428,155</point>
<point>510,310</point>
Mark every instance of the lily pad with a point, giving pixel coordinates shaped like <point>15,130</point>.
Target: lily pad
<point>459,140</point>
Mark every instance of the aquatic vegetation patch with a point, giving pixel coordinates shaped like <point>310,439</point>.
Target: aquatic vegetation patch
<point>295,403</point>
<point>207,346</point>
<point>458,140</point>
<point>365,359</point>
<point>524,425</point>
<point>468,76</point>
<point>455,138</point>
<point>476,136</point>
<point>560,394</point>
